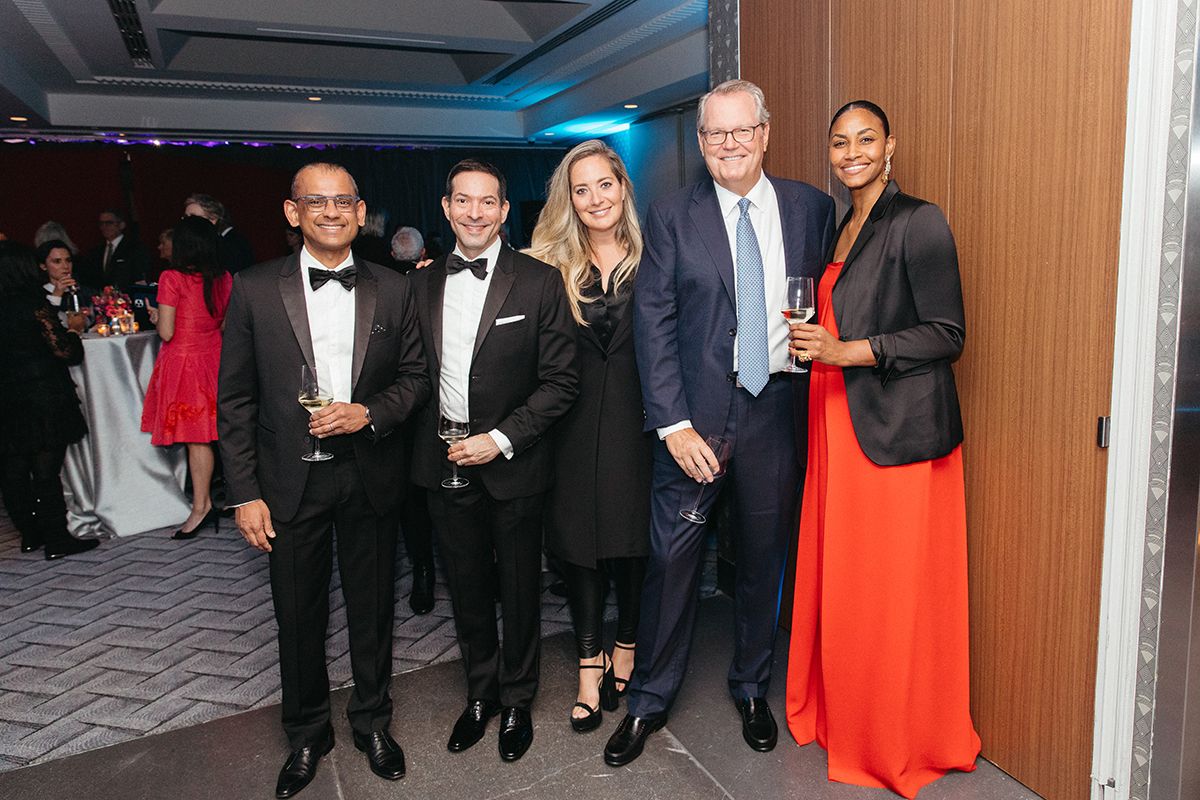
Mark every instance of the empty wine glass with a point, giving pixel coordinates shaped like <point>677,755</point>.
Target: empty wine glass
<point>451,431</point>
<point>798,307</point>
<point>313,399</point>
<point>722,448</point>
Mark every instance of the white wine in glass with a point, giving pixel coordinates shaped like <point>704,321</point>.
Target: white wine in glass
<point>451,431</point>
<point>313,399</point>
<point>798,307</point>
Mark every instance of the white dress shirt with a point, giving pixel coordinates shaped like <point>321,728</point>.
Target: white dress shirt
<point>331,327</point>
<point>768,229</point>
<point>462,306</point>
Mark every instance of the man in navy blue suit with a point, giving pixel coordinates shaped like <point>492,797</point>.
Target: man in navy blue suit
<point>711,346</point>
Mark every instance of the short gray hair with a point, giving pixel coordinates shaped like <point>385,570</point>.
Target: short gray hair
<point>211,206</point>
<point>407,244</point>
<point>733,87</point>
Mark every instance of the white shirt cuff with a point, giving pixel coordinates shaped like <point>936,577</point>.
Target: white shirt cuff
<point>239,505</point>
<point>502,442</point>
<point>678,426</point>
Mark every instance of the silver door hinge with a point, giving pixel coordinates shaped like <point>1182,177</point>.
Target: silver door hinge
<point>1103,431</point>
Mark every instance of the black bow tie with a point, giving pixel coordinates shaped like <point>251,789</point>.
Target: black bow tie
<point>319,277</point>
<point>456,264</point>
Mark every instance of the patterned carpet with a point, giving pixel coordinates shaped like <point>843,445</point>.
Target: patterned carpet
<point>145,635</point>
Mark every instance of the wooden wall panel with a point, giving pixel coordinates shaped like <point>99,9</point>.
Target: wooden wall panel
<point>890,54</point>
<point>785,50</point>
<point>1039,119</point>
<point>1014,123</point>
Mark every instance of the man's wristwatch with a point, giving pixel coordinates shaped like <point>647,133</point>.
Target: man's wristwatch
<point>367,410</point>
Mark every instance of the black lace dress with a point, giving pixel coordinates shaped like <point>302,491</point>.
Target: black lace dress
<point>42,410</point>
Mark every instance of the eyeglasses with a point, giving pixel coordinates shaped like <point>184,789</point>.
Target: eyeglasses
<point>316,202</point>
<point>742,135</point>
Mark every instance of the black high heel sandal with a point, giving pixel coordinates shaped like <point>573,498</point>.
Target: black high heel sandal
<point>213,516</point>
<point>608,699</point>
<point>624,687</point>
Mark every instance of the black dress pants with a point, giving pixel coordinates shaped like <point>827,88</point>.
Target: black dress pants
<point>33,494</point>
<point>489,545</point>
<point>301,565</point>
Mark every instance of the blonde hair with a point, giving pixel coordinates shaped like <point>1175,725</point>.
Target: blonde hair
<point>561,239</point>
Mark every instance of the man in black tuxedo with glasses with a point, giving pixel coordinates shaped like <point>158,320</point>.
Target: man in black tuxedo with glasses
<point>355,324</point>
<point>500,344</point>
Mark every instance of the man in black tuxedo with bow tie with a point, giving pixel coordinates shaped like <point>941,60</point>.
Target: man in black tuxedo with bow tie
<point>355,324</point>
<point>500,344</point>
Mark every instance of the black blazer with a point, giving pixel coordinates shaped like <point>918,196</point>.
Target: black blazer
<point>263,430</point>
<point>129,264</point>
<point>522,373</point>
<point>900,289</point>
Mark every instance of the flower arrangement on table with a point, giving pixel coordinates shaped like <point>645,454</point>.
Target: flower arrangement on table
<point>114,313</point>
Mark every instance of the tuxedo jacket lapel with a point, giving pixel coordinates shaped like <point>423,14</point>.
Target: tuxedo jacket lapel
<point>436,300</point>
<point>705,212</point>
<point>366,292</point>
<point>868,228</point>
<point>291,290</point>
<point>502,282</point>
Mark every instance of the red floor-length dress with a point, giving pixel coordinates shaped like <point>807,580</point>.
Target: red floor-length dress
<point>181,400</point>
<point>878,664</point>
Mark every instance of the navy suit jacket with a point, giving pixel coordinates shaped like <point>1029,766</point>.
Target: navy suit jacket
<point>685,312</point>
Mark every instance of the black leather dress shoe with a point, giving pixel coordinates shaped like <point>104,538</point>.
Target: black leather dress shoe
<point>758,726</point>
<point>420,600</point>
<point>69,547</point>
<point>516,733</point>
<point>383,754</point>
<point>470,725</point>
<point>301,767</point>
<point>629,738</point>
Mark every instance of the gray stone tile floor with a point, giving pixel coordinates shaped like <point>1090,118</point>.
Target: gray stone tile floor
<point>145,635</point>
<point>699,755</point>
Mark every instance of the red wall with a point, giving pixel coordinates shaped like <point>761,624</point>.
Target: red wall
<point>72,184</point>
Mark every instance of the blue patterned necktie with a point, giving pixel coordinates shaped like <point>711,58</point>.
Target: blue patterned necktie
<point>754,359</point>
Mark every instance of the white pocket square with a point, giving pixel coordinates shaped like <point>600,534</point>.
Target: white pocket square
<point>506,320</point>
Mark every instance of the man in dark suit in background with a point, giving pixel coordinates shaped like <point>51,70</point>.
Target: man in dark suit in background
<point>121,261</point>
<point>355,324</point>
<point>500,342</point>
<point>711,346</point>
<point>234,248</point>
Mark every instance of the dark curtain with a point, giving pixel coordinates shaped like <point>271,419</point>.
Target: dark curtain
<point>71,183</point>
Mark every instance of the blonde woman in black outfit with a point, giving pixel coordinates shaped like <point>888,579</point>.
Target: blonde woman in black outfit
<point>599,516</point>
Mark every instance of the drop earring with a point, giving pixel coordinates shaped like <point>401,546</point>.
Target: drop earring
<point>887,170</point>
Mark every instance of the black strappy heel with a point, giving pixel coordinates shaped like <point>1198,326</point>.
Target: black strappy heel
<point>624,687</point>
<point>608,699</point>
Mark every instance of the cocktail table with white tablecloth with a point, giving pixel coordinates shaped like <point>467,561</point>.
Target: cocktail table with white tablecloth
<point>115,482</point>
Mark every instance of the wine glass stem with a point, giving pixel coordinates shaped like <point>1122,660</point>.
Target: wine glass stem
<point>316,448</point>
<point>454,471</point>
<point>699,495</point>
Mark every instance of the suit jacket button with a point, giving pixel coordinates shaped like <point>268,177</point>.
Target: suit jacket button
<point>733,331</point>
<point>729,376</point>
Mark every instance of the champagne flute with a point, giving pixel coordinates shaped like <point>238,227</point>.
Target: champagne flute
<point>313,399</point>
<point>798,307</point>
<point>451,431</point>
<point>722,448</point>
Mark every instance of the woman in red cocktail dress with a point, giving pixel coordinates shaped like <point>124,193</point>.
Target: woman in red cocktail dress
<point>181,401</point>
<point>878,667</point>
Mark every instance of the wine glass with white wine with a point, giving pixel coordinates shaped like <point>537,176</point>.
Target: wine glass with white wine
<point>451,431</point>
<point>798,307</point>
<point>313,399</point>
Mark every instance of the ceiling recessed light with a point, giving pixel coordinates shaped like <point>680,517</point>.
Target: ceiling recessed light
<point>314,99</point>
<point>19,119</point>
<point>631,105</point>
<point>549,133</point>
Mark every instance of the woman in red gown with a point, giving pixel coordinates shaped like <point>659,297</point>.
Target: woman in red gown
<point>878,668</point>
<point>181,403</point>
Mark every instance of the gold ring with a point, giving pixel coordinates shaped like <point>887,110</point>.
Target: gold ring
<point>803,355</point>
